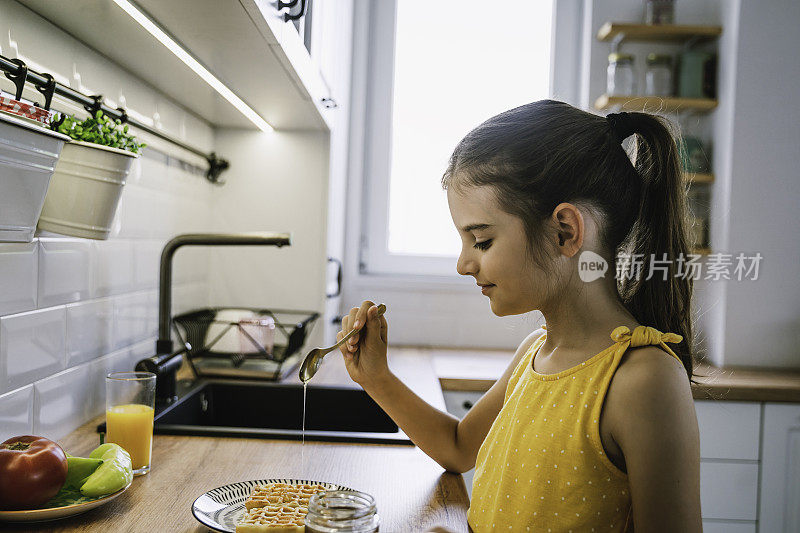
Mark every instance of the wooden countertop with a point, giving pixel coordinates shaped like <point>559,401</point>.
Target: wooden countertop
<point>477,370</point>
<point>412,492</point>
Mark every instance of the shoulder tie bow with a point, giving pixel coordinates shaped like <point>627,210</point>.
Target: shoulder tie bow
<point>644,336</point>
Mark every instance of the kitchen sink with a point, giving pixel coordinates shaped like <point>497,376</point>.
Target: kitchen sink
<point>255,409</point>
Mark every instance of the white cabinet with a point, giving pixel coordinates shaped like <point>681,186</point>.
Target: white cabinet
<point>728,430</point>
<point>728,491</point>
<point>729,452</point>
<point>245,44</point>
<point>458,403</point>
<point>780,474</point>
<point>331,43</point>
<point>331,40</point>
<point>728,527</point>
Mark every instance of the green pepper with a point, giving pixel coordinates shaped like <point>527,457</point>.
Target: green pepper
<point>115,472</point>
<point>79,469</point>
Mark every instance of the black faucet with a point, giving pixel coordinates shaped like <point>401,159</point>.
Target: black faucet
<point>166,362</point>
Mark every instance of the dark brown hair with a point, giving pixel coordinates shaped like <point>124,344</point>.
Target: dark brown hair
<point>541,154</point>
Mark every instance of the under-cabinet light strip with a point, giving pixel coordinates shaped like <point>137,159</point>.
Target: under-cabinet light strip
<point>193,64</point>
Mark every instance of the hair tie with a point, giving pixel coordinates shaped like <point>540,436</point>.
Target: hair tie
<point>622,124</point>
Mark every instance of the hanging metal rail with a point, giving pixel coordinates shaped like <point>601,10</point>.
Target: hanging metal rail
<point>18,72</point>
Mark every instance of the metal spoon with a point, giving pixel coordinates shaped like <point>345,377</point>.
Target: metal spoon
<point>314,358</point>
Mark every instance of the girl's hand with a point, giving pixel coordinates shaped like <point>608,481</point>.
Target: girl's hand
<point>365,352</point>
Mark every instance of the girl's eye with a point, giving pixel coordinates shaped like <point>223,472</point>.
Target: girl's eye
<point>483,245</point>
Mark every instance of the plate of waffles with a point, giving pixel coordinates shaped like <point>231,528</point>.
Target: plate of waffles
<point>259,505</point>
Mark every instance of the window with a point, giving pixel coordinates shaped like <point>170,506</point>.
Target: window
<point>440,70</point>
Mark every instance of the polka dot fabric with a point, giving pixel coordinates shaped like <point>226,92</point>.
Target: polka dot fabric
<point>542,466</point>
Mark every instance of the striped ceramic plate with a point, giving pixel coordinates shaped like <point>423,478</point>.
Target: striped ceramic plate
<point>220,508</point>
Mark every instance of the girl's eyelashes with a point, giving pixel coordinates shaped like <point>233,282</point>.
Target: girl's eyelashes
<point>483,245</point>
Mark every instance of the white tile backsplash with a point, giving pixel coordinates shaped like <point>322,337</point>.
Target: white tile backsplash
<point>16,413</point>
<point>32,346</point>
<point>18,277</point>
<point>189,297</point>
<point>113,267</point>
<point>146,261</point>
<point>142,350</point>
<point>62,403</point>
<point>64,274</point>
<point>132,318</point>
<point>190,265</point>
<point>72,310</point>
<point>90,329</point>
<point>118,361</point>
<point>152,318</point>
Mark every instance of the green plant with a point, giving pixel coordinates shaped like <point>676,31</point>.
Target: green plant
<point>98,129</point>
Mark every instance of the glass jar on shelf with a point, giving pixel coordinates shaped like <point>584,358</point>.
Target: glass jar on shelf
<point>658,76</point>
<point>659,11</point>
<point>621,80</point>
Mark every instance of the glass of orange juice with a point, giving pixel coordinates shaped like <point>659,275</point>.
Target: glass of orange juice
<point>130,398</point>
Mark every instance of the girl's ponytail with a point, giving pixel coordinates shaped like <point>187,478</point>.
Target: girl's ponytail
<point>659,232</point>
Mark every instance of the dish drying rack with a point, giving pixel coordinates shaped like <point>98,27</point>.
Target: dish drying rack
<point>208,357</point>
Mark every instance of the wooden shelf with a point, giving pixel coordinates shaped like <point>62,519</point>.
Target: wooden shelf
<point>699,178</point>
<point>656,32</point>
<point>654,104</point>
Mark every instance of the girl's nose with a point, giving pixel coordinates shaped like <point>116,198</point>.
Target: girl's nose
<point>466,265</point>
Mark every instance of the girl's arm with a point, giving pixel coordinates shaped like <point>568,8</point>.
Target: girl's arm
<point>452,443</point>
<point>652,419</point>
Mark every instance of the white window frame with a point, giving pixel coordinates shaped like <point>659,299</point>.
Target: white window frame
<point>377,156</point>
<point>419,304</point>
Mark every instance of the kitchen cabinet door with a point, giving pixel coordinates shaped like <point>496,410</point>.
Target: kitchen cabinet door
<point>780,474</point>
<point>728,430</point>
<point>728,526</point>
<point>331,51</point>
<point>332,29</point>
<point>729,491</point>
<point>458,403</point>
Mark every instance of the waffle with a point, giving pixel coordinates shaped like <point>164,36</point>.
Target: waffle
<point>277,508</point>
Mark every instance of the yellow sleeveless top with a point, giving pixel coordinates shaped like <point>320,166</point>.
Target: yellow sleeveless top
<point>542,466</point>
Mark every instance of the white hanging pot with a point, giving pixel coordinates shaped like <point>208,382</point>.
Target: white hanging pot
<point>28,155</point>
<point>85,190</point>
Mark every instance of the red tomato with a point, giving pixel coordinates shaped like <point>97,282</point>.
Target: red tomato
<point>32,470</point>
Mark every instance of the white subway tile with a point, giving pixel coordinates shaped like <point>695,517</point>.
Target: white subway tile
<point>162,220</point>
<point>189,297</point>
<point>136,172</point>
<point>113,267</point>
<point>146,260</point>
<point>64,274</point>
<point>16,413</point>
<point>190,265</point>
<point>90,328</point>
<point>32,346</point>
<point>18,271</point>
<point>152,317</point>
<point>132,316</point>
<point>62,402</point>
<point>98,370</point>
<point>134,214</point>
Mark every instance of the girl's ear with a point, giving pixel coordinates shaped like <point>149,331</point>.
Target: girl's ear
<point>568,221</point>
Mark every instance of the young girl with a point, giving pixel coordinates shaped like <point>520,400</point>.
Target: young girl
<point>592,426</point>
